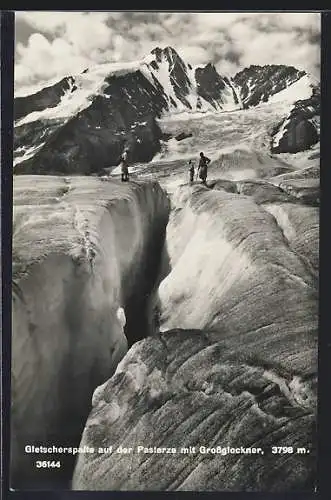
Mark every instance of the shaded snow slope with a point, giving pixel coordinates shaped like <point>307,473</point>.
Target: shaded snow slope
<point>85,261</point>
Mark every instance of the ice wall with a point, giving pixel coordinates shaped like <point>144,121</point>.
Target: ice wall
<point>86,258</point>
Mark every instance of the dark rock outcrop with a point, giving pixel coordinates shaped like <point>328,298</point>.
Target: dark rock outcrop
<point>166,136</point>
<point>300,129</point>
<point>183,135</point>
<point>86,261</point>
<point>209,84</point>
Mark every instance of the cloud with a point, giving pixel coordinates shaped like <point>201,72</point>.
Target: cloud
<point>62,22</point>
<point>195,54</point>
<point>42,59</point>
<point>281,50</point>
<point>52,44</point>
<point>64,43</point>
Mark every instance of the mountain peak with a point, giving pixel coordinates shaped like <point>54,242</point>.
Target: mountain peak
<point>164,50</point>
<point>167,53</point>
<point>259,83</point>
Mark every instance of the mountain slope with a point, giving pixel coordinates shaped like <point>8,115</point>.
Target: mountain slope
<point>258,84</point>
<point>83,122</point>
<point>300,94</point>
<point>301,127</point>
<point>182,86</point>
<point>48,97</point>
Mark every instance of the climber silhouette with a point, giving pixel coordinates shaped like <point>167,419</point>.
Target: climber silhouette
<point>124,166</point>
<point>191,170</point>
<point>203,168</point>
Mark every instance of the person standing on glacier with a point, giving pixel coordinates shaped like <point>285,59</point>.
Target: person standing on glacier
<point>203,167</point>
<point>124,166</point>
<point>191,171</point>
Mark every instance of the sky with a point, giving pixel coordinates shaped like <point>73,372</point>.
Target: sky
<point>50,45</point>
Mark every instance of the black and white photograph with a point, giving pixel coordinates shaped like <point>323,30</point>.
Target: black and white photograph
<point>165,251</point>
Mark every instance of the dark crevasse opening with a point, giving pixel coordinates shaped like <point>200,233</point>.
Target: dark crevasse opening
<point>141,303</point>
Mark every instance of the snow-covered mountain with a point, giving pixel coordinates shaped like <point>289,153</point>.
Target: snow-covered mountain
<point>181,86</point>
<point>297,90</point>
<point>82,123</point>
<point>186,87</point>
<point>273,83</point>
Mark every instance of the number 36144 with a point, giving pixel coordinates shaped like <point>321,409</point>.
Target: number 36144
<point>48,464</point>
